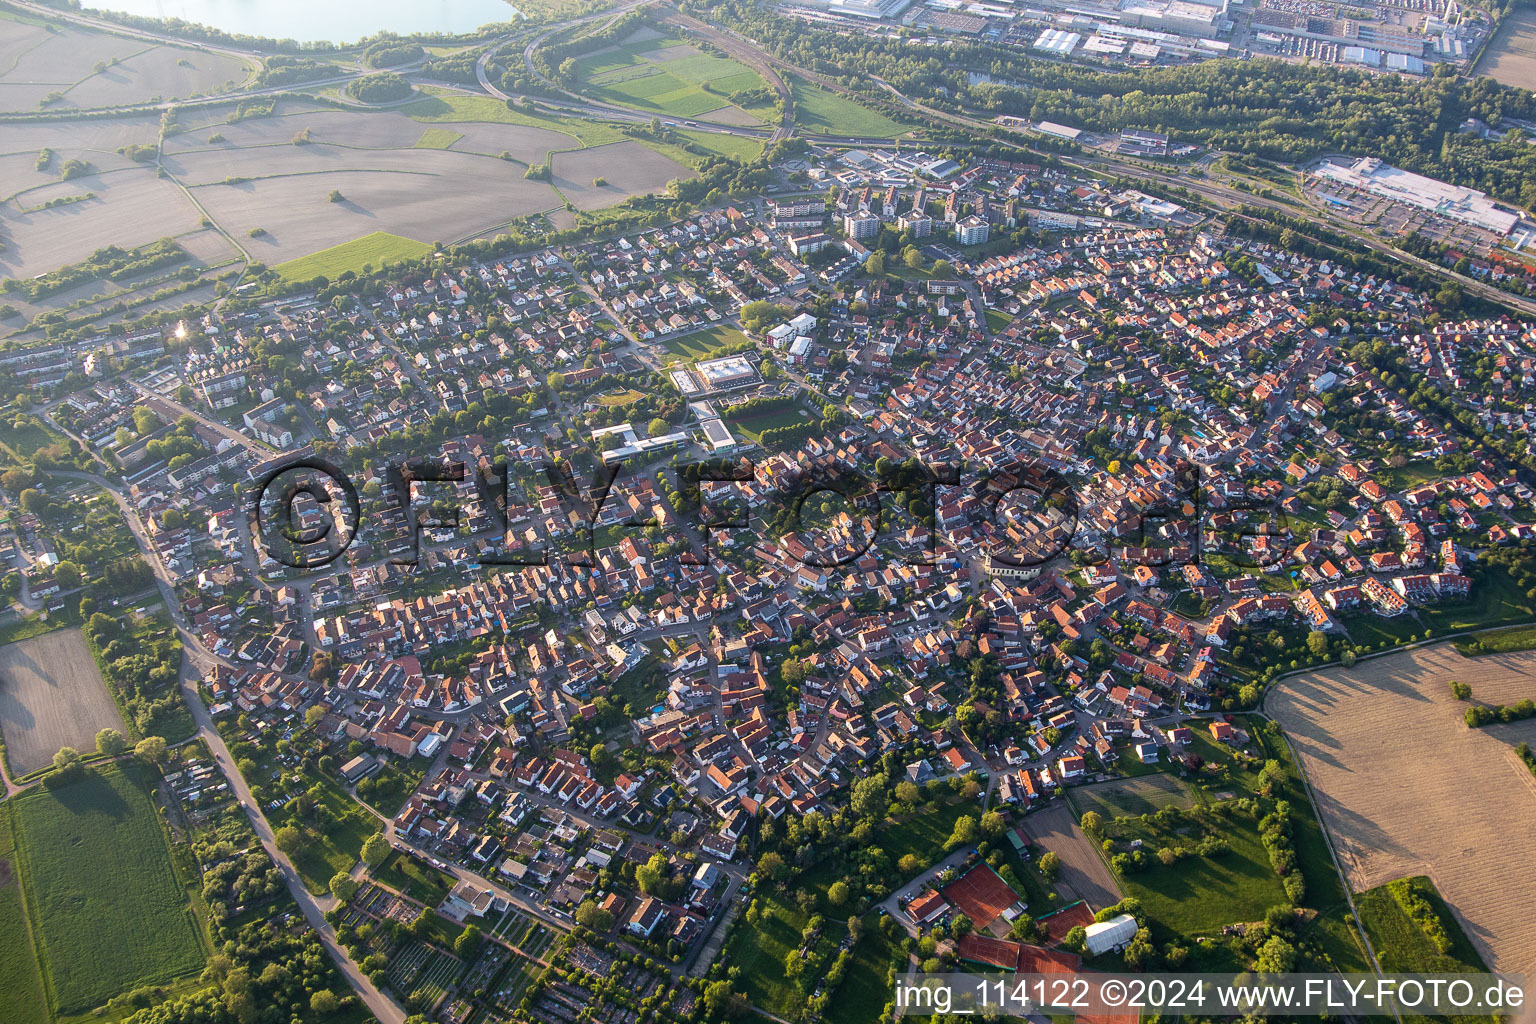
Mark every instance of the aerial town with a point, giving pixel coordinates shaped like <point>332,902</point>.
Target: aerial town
<point>1050,555</point>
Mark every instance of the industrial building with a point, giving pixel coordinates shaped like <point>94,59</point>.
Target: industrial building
<point>1057,43</point>
<point>1465,205</point>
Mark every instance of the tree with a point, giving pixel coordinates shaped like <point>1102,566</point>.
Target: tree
<point>1050,865</point>
<point>467,942</point>
<point>336,196</point>
<point>837,893</point>
<point>1076,938</point>
<point>1276,956</point>
<point>324,1001</point>
<point>1317,643</point>
<point>591,915</point>
<point>721,1001</point>
<point>874,267</point>
<point>375,850</point>
<point>907,792</point>
<point>110,742</point>
<point>961,925</point>
<point>992,824</point>
<point>343,886</point>
<point>912,256</point>
<point>1093,823</point>
<point>314,715</point>
<point>288,839</point>
<point>33,501</point>
<point>67,575</point>
<point>942,270</point>
<point>150,749</point>
<point>965,832</point>
<point>67,760</point>
<point>869,798</point>
<point>555,380</point>
<point>652,875</point>
<point>658,426</point>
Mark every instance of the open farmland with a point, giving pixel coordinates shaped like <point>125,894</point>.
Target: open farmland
<point>1511,56</point>
<point>51,696</point>
<point>1405,788</point>
<point>670,78</point>
<point>371,251</point>
<point>21,986</point>
<point>90,70</point>
<point>630,169</point>
<point>109,911</point>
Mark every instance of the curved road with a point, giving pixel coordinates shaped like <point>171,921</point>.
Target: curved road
<point>314,908</point>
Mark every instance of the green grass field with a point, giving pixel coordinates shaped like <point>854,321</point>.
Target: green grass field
<point>26,441</point>
<point>702,344</point>
<point>372,250</point>
<point>437,138</point>
<point>341,839</point>
<point>753,426</point>
<point>1197,895</point>
<point>629,396</point>
<point>443,107</point>
<point>759,948</point>
<point>827,113</point>
<point>110,911</point>
<point>21,986</point>
<point>864,992</point>
<point>1128,797</point>
<point>1403,947</point>
<point>685,86</point>
<point>1500,641</point>
<point>737,147</point>
<point>410,876</point>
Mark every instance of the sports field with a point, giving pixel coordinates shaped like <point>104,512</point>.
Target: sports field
<point>101,891</point>
<point>51,696</point>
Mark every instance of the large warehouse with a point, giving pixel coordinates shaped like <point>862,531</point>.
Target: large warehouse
<point>1466,205</point>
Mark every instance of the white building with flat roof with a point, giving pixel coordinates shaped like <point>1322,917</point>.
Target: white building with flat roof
<point>1466,205</point>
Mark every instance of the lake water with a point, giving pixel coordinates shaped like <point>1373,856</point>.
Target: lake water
<point>337,21</point>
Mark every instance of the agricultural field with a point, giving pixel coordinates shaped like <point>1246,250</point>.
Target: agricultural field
<point>1376,741</point>
<point>1129,797</point>
<point>1083,873</point>
<point>1511,56</point>
<point>627,168</point>
<point>109,911</point>
<point>827,113</point>
<point>21,986</point>
<point>371,251</point>
<point>438,138</point>
<point>668,77</point>
<point>51,696</point>
<point>71,68</point>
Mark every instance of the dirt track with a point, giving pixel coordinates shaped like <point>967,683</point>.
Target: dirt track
<point>51,696</point>
<point>1404,787</point>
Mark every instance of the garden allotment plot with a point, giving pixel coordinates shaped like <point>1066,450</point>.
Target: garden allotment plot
<point>669,78</point>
